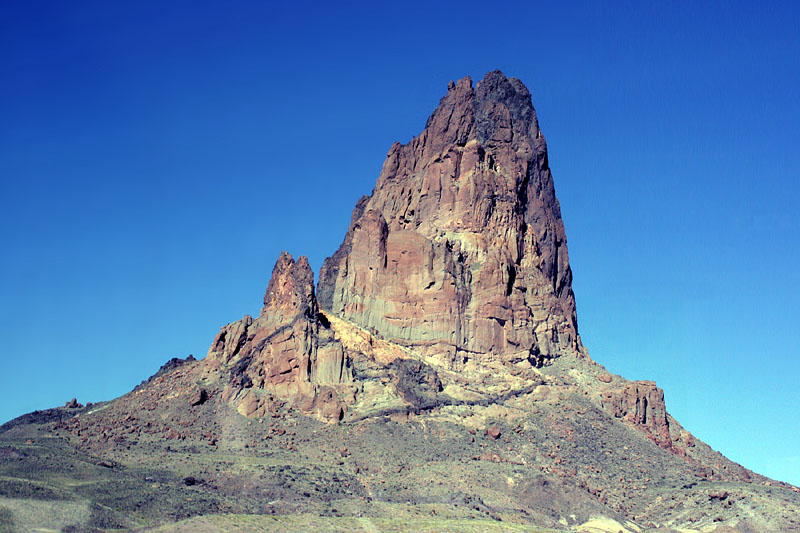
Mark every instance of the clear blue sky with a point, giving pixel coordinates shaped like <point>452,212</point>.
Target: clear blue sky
<point>156,157</point>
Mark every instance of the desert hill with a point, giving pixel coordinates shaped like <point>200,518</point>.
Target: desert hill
<point>432,379</point>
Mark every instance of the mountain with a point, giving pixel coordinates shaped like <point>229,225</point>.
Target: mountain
<point>433,378</point>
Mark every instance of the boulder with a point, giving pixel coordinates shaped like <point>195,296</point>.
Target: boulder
<point>640,403</point>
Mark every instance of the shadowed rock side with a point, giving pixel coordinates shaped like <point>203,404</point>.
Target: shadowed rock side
<point>460,251</point>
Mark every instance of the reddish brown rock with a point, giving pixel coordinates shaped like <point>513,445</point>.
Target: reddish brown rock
<point>73,404</point>
<point>493,432</point>
<point>460,250</point>
<point>642,404</point>
<point>718,495</point>
<point>459,254</point>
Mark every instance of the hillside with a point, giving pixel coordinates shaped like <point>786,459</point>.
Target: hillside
<point>433,378</point>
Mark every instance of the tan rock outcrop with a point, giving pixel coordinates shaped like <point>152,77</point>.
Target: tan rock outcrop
<point>454,269</point>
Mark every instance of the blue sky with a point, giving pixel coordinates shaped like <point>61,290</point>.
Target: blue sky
<point>155,158</point>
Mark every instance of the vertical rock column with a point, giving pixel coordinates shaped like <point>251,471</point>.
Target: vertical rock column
<point>460,251</point>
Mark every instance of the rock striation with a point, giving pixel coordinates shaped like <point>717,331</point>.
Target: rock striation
<point>460,251</point>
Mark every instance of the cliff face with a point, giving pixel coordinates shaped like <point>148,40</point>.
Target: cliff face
<point>458,260</point>
<point>460,251</point>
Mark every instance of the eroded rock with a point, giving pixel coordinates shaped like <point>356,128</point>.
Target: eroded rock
<point>73,404</point>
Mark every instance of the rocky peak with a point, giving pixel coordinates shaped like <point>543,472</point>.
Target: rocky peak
<point>460,251</point>
<point>457,261</point>
<point>291,288</point>
<point>498,110</point>
<point>504,112</point>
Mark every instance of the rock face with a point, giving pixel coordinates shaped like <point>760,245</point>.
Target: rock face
<point>460,251</point>
<point>285,353</point>
<point>641,403</point>
<point>198,397</point>
<point>73,404</point>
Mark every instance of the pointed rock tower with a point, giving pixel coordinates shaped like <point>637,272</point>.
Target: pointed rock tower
<point>460,251</point>
<point>284,354</point>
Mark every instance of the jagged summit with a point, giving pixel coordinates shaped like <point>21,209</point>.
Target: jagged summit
<point>287,353</point>
<point>497,109</point>
<point>291,288</point>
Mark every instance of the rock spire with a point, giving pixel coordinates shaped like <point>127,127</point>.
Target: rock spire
<point>460,251</point>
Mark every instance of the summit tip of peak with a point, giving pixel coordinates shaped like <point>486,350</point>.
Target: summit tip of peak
<point>493,74</point>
